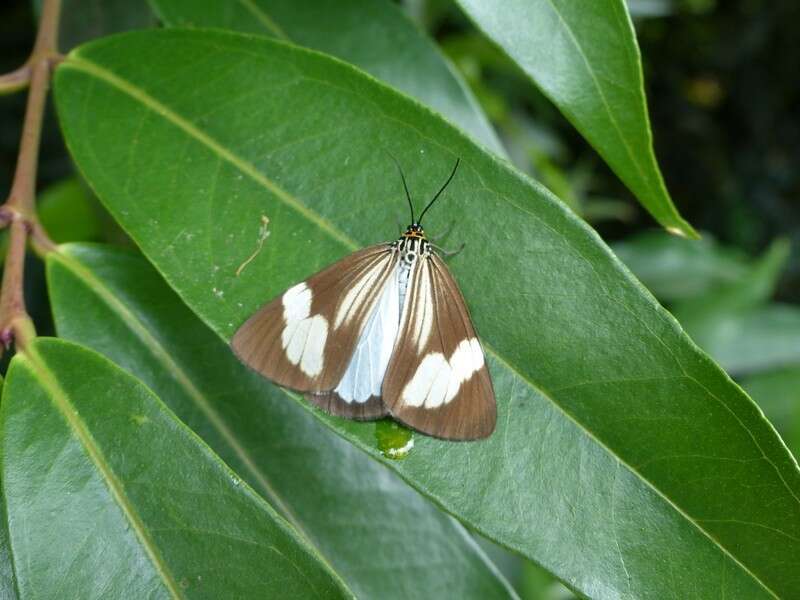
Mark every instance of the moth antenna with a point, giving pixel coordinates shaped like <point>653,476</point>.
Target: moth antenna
<point>405,186</point>
<point>446,183</point>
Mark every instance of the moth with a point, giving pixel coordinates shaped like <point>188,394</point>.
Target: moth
<point>383,332</point>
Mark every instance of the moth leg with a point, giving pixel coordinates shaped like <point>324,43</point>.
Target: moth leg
<point>449,253</point>
<point>444,234</point>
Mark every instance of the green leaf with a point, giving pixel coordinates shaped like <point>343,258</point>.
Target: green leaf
<point>537,584</point>
<point>69,213</point>
<point>678,269</point>
<point>8,583</point>
<point>752,289</point>
<point>650,8</point>
<point>748,340</point>
<point>733,324</point>
<point>584,57</point>
<point>361,517</point>
<point>109,496</point>
<point>374,35</point>
<point>618,440</point>
<point>719,297</point>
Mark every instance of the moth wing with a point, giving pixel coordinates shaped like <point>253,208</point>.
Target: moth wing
<point>304,338</point>
<point>437,381</point>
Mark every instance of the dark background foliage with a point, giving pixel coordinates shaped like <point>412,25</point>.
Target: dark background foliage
<point>723,94</point>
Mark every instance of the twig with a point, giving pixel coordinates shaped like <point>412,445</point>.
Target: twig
<point>15,80</point>
<point>19,211</point>
<point>263,234</point>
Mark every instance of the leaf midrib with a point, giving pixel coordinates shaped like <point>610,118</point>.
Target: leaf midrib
<point>78,62</point>
<point>63,404</point>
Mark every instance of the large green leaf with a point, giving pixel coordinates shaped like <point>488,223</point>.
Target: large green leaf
<point>624,460</point>
<point>584,57</point>
<point>109,496</point>
<point>357,514</point>
<point>374,35</point>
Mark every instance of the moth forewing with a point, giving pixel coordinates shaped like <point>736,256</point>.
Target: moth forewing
<point>304,338</point>
<point>437,380</point>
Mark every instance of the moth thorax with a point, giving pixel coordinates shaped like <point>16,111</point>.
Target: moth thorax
<point>411,249</point>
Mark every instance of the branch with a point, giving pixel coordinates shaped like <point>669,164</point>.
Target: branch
<point>15,80</point>
<point>19,210</point>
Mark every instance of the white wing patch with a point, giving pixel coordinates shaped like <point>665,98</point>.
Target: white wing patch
<point>437,380</point>
<point>296,302</point>
<point>365,372</point>
<point>303,337</point>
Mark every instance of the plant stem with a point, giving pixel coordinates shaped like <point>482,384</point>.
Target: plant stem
<point>15,80</point>
<point>19,210</point>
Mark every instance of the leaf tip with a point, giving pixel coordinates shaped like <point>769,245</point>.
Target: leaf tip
<point>684,230</point>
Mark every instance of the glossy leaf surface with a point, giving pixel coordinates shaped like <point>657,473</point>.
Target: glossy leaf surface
<point>144,508</point>
<point>374,35</point>
<point>381,537</point>
<point>618,440</point>
<point>584,57</point>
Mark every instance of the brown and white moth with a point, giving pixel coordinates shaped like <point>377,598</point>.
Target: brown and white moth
<point>384,331</point>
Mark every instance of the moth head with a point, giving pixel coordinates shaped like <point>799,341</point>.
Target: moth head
<point>415,231</point>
